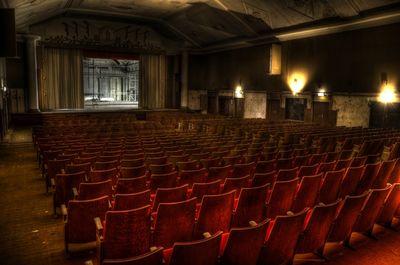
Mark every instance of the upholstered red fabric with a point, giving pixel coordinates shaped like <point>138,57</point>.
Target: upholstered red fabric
<point>131,201</point>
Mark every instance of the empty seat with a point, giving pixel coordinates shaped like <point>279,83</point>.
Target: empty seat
<point>131,185</point>
<point>193,176</point>
<point>94,190</point>
<point>307,193</point>
<point>211,162</point>
<point>250,206</point>
<point>103,174</point>
<point>215,214</point>
<point>221,173</point>
<point>368,177</point>
<point>384,174</point>
<point>331,156</point>
<point>132,162</point>
<point>153,257</point>
<point>162,168</point>
<point>307,171</point>
<point>174,222</point>
<point>131,201</point>
<point>316,159</point>
<point>175,194</point>
<point>301,160</point>
<point>343,163</point>
<point>260,179</point>
<point>330,186</point>
<point>63,185</point>
<point>350,181</point>
<point>326,166</point>
<point>391,204</point>
<point>265,166</point>
<point>106,165</point>
<point>133,172</point>
<point>281,239</point>
<point>209,188</point>
<point>236,184</point>
<point>358,161</point>
<point>281,198</point>
<point>163,180</point>
<point>75,168</point>
<point>284,163</point>
<point>187,165</point>
<point>241,170</point>
<point>243,245</point>
<point>286,174</point>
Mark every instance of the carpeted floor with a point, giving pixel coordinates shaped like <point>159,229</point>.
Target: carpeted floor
<point>30,234</point>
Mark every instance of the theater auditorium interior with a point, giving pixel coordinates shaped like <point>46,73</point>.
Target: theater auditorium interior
<point>199,132</point>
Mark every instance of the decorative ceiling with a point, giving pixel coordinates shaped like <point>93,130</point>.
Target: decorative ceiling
<point>203,24</point>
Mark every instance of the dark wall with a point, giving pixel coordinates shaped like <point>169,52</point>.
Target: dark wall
<point>345,62</point>
<point>16,69</point>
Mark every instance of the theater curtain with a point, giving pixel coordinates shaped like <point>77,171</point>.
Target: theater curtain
<point>153,75</point>
<point>60,78</point>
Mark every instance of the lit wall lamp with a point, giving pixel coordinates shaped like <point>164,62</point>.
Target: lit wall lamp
<point>387,93</point>
<point>297,82</point>
<point>239,90</point>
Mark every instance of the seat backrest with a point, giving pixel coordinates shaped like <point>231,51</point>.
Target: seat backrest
<point>358,161</point>
<point>343,163</point>
<point>243,245</point>
<point>368,177</point>
<point>174,223</point>
<point>371,210</point>
<point>193,176</point>
<point>89,191</point>
<point>313,238</point>
<point>236,184</point>
<point>281,238</point>
<point>108,158</point>
<point>133,172</point>
<point>241,170</point>
<point>175,194</point>
<point>162,168</point>
<point>80,226</point>
<point>284,163</point>
<point>187,165</point>
<point>209,188</point>
<point>131,185</point>
<point>301,160</point>
<point>200,252</point>
<point>332,156</point>
<point>316,159</point>
<point>126,233</point>
<point>350,181</point>
<point>221,173</point>
<point>287,174</point>
<point>74,168</point>
<point>132,162</point>
<point>330,187</point>
<point>347,216</point>
<point>215,214</point>
<point>384,173</point>
<point>56,166</point>
<point>64,185</point>
<point>131,201</point>
<point>211,162</point>
<point>260,179</point>
<point>103,174</point>
<point>282,197</point>
<point>153,257</point>
<point>98,165</point>
<point>167,180</point>
<point>250,206</point>
<point>265,166</point>
<point>307,193</point>
<point>326,166</point>
<point>390,206</point>
<point>307,171</point>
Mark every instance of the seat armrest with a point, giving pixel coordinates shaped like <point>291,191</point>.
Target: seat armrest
<point>75,192</point>
<point>252,223</point>
<point>53,183</point>
<point>89,262</point>
<point>64,212</point>
<point>206,235</point>
<point>99,227</point>
<point>62,171</point>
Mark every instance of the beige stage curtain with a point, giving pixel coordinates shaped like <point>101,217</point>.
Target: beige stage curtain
<point>153,78</point>
<point>60,78</point>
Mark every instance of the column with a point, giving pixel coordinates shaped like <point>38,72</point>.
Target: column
<point>184,79</point>
<point>32,72</point>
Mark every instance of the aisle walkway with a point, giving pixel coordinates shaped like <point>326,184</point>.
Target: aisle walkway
<point>29,233</point>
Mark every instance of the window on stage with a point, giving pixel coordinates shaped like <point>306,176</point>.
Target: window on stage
<point>111,82</point>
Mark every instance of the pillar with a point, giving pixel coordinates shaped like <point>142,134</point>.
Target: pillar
<point>184,79</point>
<point>32,72</point>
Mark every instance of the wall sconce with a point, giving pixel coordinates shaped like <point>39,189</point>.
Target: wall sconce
<point>296,82</point>
<point>322,93</point>
<point>239,91</point>
<point>387,94</point>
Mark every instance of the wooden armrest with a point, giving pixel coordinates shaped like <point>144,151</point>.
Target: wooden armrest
<point>109,204</point>
<point>252,223</point>
<point>64,212</point>
<point>206,235</point>
<point>97,222</point>
<point>75,192</point>
<point>53,183</point>
<point>62,171</point>
<point>153,248</point>
<point>290,213</point>
<point>89,262</point>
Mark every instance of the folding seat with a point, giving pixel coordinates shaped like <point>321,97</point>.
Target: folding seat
<point>63,185</point>
<point>173,151</point>
<point>350,181</point>
<point>131,185</point>
<point>330,186</point>
<point>232,160</point>
<point>368,177</point>
<point>106,165</point>
<point>343,163</point>
<point>101,175</point>
<point>243,245</point>
<point>260,179</point>
<point>358,161</point>
<point>174,222</point>
<point>250,206</point>
<point>265,166</point>
<point>157,154</point>
<point>316,159</point>
<point>156,160</point>
<point>105,158</point>
<point>153,257</point>
<point>241,170</point>
<point>371,159</point>
<point>349,211</point>
<point>281,239</point>
<point>236,184</point>
<point>384,173</point>
<point>221,173</point>
<point>187,165</point>
<point>250,158</point>
<point>307,193</point>
<point>54,167</point>
<point>200,252</point>
<point>215,214</point>
<point>317,228</point>
<point>219,154</point>
<point>89,191</point>
<point>370,212</point>
<point>125,234</point>
<point>198,156</point>
<point>326,166</point>
<point>132,162</point>
<point>299,152</point>
<point>178,158</point>
<point>282,197</point>
<point>301,160</point>
<point>193,176</point>
<point>83,160</point>
<point>284,154</point>
<point>284,163</point>
<point>75,168</point>
<point>331,156</point>
<point>167,180</point>
<point>161,168</point>
<point>211,162</point>
<point>108,155</point>
<point>265,156</point>
<point>390,206</point>
<point>307,171</point>
<point>345,154</point>
<point>79,232</point>
<point>287,174</point>
<point>132,156</point>
<point>395,175</point>
<point>209,188</point>
<point>174,194</point>
<point>133,172</point>
<point>67,156</point>
<point>130,201</point>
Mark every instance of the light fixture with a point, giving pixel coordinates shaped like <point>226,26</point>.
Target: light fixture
<point>296,82</point>
<point>387,94</point>
<point>239,90</point>
<point>322,93</point>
